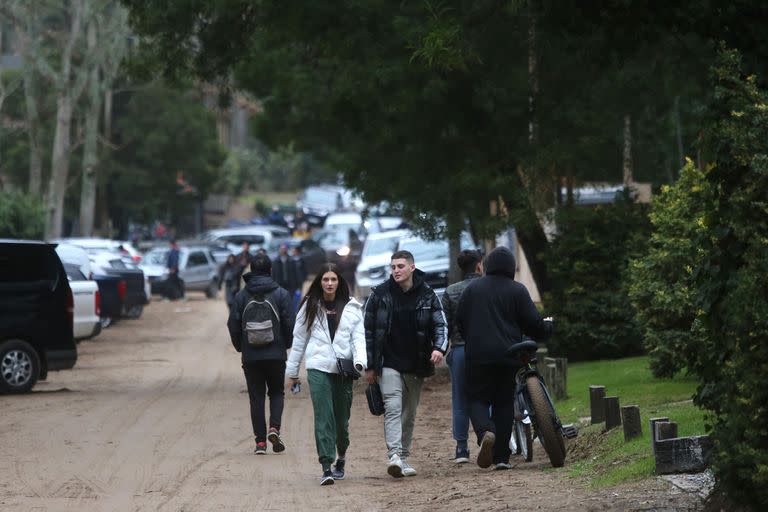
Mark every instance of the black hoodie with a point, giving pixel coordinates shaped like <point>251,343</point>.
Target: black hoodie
<point>495,311</point>
<point>281,299</point>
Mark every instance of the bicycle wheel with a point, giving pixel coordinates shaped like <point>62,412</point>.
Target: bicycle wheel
<point>545,415</point>
<point>524,437</point>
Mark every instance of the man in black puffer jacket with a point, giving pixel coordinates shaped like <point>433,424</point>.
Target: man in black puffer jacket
<point>405,336</point>
<point>264,365</point>
<point>494,313</point>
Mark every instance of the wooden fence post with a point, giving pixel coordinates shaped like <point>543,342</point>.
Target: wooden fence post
<point>630,418</point>
<point>596,407</point>
<point>612,412</point>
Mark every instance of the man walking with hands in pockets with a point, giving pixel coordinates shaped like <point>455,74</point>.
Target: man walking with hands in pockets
<point>406,336</point>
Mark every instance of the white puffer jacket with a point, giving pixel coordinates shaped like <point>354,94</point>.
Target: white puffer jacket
<point>348,343</point>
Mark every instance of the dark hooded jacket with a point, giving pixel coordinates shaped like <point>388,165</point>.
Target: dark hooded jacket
<point>495,311</point>
<point>431,330</point>
<point>281,299</point>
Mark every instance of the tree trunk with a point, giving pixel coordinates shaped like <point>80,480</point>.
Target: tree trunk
<point>90,148</point>
<point>33,133</point>
<point>454,225</point>
<point>627,164</point>
<point>103,210</point>
<point>678,132</point>
<point>57,186</point>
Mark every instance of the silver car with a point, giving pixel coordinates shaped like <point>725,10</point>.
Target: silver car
<point>197,268</point>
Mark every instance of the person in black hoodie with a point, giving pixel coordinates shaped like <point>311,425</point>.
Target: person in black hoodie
<point>405,337</point>
<point>264,365</point>
<point>493,314</point>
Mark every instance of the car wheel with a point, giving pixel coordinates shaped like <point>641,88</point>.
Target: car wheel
<point>19,367</point>
<point>134,311</point>
<point>106,321</point>
<point>212,290</point>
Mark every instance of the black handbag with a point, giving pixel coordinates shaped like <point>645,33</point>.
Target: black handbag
<point>375,399</point>
<point>347,368</point>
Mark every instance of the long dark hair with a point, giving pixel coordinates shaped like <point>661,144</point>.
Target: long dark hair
<point>315,293</point>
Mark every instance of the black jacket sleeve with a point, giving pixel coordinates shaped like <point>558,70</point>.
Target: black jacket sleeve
<point>439,325</point>
<point>369,322</point>
<point>234,323</point>
<point>287,316</point>
<point>449,310</point>
<point>531,322</point>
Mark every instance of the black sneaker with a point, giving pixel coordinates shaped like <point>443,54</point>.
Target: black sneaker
<point>327,478</point>
<point>462,455</point>
<point>485,457</point>
<point>338,470</point>
<point>274,438</point>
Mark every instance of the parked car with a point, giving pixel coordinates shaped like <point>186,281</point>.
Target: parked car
<point>197,268</point>
<point>112,289</point>
<point>318,201</point>
<point>36,315</point>
<point>342,247</point>
<point>233,238</point>
<point>346,220</point>
<point>86,321</point>
<point>432,258</point>
<point>135,281</point>
<point>373,268</point>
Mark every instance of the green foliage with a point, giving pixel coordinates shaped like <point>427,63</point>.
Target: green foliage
<point>662,288</point>
<point>21,216</point>
<point>732,304</point>
<point>162,135</point>
<point>587,270</point>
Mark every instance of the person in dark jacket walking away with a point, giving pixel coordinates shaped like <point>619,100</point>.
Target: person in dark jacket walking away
<point>329,326</point>
<point>406,336</point>
<point>175,283</point>
<point>229,275</point>
<point>263,363</point>
<point>494,313</point>
<point>471,265</point>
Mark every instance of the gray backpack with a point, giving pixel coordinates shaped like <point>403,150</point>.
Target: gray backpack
<point>260,321</point>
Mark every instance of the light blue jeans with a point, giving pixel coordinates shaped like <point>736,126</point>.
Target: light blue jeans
<point>459,403</point>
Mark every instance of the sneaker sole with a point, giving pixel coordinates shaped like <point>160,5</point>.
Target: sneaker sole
<point>462,460</point>
<point>409,473</point>
<point>485,457</point>
<point>395,471</point>
<point>277,443</point>
<point>338,477</point>
<point>326,481</point>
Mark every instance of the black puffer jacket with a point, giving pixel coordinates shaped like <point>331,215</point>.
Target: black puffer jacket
<point>495,312</point>
<point>281,299</point>
<point>432,332</point>
<point>450,303</point>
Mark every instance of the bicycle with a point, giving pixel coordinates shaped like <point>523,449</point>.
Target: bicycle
<point>535,415</point>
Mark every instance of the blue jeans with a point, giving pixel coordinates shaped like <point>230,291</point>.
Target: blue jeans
<point>459,400</point>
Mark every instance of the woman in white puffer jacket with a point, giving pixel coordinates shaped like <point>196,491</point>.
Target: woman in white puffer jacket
<point>329,326</point>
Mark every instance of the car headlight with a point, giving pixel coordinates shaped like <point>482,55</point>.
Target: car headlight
<point>377,272</point>
<point>343,251</point>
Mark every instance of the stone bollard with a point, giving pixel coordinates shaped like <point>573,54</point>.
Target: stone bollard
<point>612,412</point>
<point>630,418</point>
<point>596,407</point>
<point>653,422</point>
<point>665,430</point>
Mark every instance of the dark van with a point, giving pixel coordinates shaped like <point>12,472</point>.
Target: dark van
<point>36,314</point>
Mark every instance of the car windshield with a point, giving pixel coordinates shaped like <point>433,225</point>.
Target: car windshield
<point>425,250</point>
<point>332,239</point>
<point>321,196</point>
<point>156,257</point>
<point>380,246</point>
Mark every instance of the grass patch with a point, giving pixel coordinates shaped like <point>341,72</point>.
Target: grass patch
<point>603,458</point>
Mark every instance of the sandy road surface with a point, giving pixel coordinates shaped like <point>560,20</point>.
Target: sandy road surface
<point>154,417</point>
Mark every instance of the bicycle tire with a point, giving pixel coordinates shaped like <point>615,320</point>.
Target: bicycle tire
<point>524,440</point>
<point>545,418</point>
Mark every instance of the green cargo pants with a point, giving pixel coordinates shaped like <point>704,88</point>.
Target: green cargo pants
<point>331,400</point>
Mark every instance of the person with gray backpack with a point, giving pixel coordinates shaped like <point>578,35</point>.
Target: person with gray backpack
<point>261,328</point>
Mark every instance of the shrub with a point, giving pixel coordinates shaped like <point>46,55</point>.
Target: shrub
<point>21,216</point>
<point>587,267</point>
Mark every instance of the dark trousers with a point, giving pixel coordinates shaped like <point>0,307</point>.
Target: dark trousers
<point>492,386</point>
<point>175,286</point>
<point>265,378</point>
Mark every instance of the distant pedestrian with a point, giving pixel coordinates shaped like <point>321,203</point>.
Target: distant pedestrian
<point>329,327</point>
<point>229,277</point>
<point>494,313</point>
<point>175,285</point>
<point>261,328</point>
<point>406,336</point>
<point>471,265</point>
<point>284,270</point>
<point>243,259</point>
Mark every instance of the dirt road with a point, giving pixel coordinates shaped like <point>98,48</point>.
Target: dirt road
<point>154,417</point>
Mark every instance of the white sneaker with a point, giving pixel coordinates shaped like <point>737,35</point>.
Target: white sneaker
<point>407,468</point>
<point>395,466</point>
